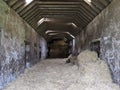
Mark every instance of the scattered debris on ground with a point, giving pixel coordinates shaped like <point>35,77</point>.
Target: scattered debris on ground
<point>54,74</point>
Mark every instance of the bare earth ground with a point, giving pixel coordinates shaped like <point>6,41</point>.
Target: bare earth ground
<point>54,74</point>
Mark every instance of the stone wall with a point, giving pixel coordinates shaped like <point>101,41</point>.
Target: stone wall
<point>12,44</point>
<point>15,35</point>
<point>36,45</point>
<point>107,27</point>
<point>43,47</point>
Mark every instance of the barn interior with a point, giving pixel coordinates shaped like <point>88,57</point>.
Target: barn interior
<point>47,32</point>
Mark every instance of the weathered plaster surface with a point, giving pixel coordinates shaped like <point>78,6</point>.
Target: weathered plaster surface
<point>107,27</point>
<point>12,45</point>
<point>13,34</point>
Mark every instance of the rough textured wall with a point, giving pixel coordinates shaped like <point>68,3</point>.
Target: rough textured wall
<point>107,27</point>
<point>77,45</point>
<point>36,47</point>
<point>15,35</point>
<point>110,42</point>
<point>32,46</point>
<point>12,44</point>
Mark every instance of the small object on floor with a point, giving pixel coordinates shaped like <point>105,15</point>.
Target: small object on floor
<point>68,61</point>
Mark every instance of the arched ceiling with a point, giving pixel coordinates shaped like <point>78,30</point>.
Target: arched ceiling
<point>58,15</point>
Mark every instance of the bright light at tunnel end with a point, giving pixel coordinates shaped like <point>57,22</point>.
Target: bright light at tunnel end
<point>28,1</point>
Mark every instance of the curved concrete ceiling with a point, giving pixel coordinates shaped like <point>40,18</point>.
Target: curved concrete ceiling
<point>59,13</point>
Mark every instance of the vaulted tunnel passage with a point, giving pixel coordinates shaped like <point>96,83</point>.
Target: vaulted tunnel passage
<point>32,31</point>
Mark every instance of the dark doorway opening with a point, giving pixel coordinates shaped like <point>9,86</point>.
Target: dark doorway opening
<point>95,46</point>
<point>58,48</point>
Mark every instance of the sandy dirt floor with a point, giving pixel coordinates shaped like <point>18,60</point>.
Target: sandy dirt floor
<point>54,74</point>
